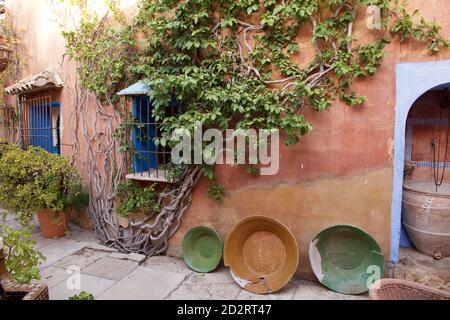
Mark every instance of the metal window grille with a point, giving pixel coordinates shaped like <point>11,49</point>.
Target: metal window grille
<point>40,123</point>
<point>148,158</point>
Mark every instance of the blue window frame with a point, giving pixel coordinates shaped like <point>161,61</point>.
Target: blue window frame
<point>40,123</point>
<point>147,156</point>
<point>144,132</point>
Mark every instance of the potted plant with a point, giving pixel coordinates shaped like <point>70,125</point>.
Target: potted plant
<point>135,202</point>
<point>34,181</point>
<point>19,265</point>
<point>83,295</point>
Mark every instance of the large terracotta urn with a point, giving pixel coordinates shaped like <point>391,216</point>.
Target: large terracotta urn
<point>426,217</point>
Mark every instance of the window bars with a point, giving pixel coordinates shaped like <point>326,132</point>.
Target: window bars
<point>40,123</point>
<point>149,160</point>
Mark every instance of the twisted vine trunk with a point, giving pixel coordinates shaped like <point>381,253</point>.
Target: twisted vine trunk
<point>106,167</point>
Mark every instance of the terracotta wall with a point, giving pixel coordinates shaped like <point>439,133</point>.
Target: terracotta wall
<point>339,173</point>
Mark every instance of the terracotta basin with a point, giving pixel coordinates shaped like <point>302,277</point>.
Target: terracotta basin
<point>54,224</point>
<point>262,254</point>
<point>426,217</point>
<point>396,289</point>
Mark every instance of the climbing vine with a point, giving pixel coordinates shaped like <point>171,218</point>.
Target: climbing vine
<point>229,64</point>
<point>11,44</point>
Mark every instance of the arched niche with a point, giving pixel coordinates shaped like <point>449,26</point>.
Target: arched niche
<point>413,79</point>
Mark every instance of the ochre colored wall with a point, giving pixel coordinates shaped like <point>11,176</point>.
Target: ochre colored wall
<point>339,173</point>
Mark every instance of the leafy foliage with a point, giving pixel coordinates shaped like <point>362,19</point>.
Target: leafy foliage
<point>83,295</point>
<point>33,179</point>
<point>22,260</point>
<point>11,38</point>
<point>220,68</point>
<point>406,27</point>
<point>103,55</point>
<point>232,63</point>
<point>216,191</point>
<point>131,198</point>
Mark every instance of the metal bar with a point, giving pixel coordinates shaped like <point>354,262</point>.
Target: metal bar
<point>147,135</point>
<point>140,136</point>
<point>36,126</point>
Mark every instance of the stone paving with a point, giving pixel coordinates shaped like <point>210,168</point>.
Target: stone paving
<point>111,275</point>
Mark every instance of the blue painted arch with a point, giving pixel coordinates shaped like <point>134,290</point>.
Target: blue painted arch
<point>413,79</point>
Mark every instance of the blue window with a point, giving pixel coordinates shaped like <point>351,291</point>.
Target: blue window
<point>40,123</point>
<point>147,156</point>
<point>144,132</point>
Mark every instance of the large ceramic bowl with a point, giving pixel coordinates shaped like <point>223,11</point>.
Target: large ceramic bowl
<point>346,259</point>
<point>262,254</point>
<point>202,249</point>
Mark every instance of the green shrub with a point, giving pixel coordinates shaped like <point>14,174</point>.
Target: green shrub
<point>132,198</point>
<point>22,260</point>
<point>83,295</point>
<point>33,179</point>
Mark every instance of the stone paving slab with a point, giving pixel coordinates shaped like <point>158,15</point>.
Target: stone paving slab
<point>118,255</point>
<point>144,284</point>
<point>165,263</point>
<point>221,275</point>
<point>136,257</point>
<point>81,258</point>
<point>309,290</point>
<point>59,249</point>
<point>287,293</point>
<point>91,284</point>
<point>78,234</point>
<point>52,276</point>
<point>41,241</point>
<point>109,268</point>
<point>217,285</point>
<point>214,291</point>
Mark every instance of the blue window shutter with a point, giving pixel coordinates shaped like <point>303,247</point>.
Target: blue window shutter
<point>144,133</point>
<point>41,128</point>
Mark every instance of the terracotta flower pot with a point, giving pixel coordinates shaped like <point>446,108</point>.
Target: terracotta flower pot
<point>53,224</point>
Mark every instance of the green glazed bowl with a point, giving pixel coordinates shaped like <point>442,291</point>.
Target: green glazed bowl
<point>346,259</point>
<point>202,249</point>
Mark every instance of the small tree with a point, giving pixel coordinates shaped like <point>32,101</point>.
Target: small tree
<point>33,180</point>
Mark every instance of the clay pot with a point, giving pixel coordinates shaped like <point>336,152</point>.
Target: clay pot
<point>426,217</point>
<point>54,224</point>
